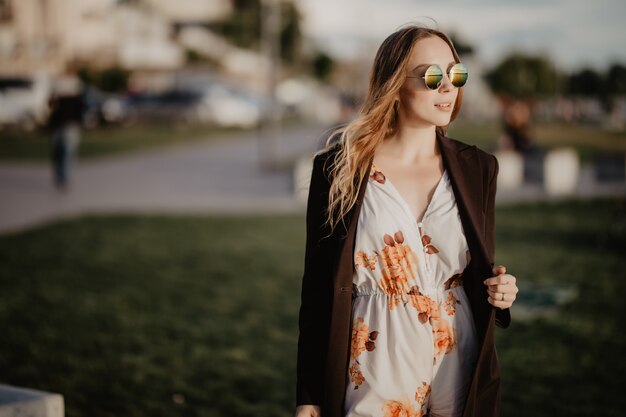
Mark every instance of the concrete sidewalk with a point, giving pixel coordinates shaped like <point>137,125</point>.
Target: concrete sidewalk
<point>203,177</point>
<point>222,176</point>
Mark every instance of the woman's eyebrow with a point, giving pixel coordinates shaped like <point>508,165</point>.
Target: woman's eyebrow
<point>428,65</point>
<point>420,66</point>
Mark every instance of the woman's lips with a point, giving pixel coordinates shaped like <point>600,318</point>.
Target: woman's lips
<point>447,107</point>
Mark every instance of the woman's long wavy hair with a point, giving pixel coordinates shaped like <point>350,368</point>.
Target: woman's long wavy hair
<point>377,119</point>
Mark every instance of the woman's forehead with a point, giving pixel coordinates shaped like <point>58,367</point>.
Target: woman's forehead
<point>431,50</point>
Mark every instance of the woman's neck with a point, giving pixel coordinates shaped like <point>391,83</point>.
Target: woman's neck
<point>412,145</point>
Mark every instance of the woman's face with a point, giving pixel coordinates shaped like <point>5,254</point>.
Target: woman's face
<point>419,106</point>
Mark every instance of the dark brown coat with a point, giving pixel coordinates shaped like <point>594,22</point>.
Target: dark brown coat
<point>325,325</point>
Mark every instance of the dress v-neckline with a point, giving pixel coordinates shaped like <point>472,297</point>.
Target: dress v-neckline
<point>404,202</point>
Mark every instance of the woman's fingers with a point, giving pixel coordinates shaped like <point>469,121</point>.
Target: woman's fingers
<point>504,288</point>
<point>501,288</point>
<point>504,279</point>
<point>502,296</point>
<point>499,269</point>
<point>499,303</point>
<point>308,411</point>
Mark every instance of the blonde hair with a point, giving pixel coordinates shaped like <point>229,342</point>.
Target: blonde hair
<point>377,119</point>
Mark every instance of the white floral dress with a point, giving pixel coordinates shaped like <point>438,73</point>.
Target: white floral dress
<point>413,343</point>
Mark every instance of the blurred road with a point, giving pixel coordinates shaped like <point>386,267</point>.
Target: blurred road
<point>216,176</point>
<point>222,176</point>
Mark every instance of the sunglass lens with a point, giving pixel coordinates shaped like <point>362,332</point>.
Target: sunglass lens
<point>433,77</point>
<point>458,75</point>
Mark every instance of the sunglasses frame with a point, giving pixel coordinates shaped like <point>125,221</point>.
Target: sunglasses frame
<point>447,73</point>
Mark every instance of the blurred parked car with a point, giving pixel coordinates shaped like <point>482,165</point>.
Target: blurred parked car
<point>24,101</point>
<point>231,107</point>
<point>104,108</point>
<point>214,103</point>
<point>170,106</point>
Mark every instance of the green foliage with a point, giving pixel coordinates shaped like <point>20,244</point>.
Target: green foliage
<point>243,27</point>
<point>192,56</point>
<point>114,80</point>
<point>616,79</point>
<point>197,316</point>
<point>462,48</point>
<point>323,66</point>
<point>524,76</point>
<point>586,82</point>
<point>589,82</point>
<point>290,34</point>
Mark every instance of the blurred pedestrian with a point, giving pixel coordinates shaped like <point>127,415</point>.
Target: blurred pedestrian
<point>67,107</point>
<point>516,136</point>
<point>516,127</point>
<point>400,295</point>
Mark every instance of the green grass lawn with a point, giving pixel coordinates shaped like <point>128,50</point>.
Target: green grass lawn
<point>197,316</point>
<point>589,141</point>
<point>107,140</point>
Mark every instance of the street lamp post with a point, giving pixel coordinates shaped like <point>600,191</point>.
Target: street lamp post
<point>270,127</point>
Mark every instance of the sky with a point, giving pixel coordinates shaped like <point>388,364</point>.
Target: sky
<point>573,33</point>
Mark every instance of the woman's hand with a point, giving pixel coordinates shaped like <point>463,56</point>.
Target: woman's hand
<point>308,411</point>
<point>501,288</point>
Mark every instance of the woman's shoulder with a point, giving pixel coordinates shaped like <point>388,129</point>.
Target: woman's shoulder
<point>484,156</point>
<point>324,157</point>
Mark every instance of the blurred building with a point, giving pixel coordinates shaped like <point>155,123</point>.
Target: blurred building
<point>52,35</point>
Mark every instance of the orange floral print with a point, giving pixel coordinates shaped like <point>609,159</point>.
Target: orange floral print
<point>450,304</point>
<point>356,376</point>
<point>443,335</point>
<point>453,282</point>
<point>422,393</point>
<point>399,266</point>
<point>424,305</point>
<point>362,339</point>
<point>364,260</point>
<point>430,249</point>
<point>377,175</point>
<point>360,336</point>
<point>400,408</point>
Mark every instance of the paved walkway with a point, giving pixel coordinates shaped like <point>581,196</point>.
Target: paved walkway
<point>212,176</point>
<point>202,177</point>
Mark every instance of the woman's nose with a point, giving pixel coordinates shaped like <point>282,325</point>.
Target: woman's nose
<point>446,84</point>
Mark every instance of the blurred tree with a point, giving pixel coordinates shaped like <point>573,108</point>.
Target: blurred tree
<point>6,13</point>
<point>462,48</point>
<point>586,82</point>
<point>616,79</point>
<point>243,27</point>
<point>322,66</point>
<point>520,76</point>
<point>113,80</point>
<point>290,34</point>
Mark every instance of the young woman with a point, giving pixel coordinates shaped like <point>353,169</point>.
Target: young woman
<point>400,295</point>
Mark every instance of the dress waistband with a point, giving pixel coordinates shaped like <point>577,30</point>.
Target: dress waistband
<point>451,283</point>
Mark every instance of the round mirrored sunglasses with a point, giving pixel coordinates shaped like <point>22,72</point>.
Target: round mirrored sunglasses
<point>433,77</point>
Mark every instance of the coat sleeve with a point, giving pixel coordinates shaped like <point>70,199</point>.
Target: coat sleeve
<point>316,295</point>
<point>503,316</point>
